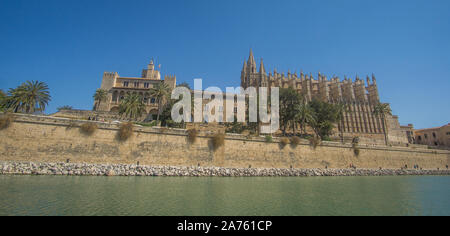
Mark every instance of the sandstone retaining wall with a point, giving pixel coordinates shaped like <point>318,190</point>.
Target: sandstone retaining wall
<point>49,139</point>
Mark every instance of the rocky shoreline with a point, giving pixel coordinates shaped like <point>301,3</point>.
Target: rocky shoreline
<point>84,169</point>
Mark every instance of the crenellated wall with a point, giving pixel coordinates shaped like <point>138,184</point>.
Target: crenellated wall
<point>50,139</point>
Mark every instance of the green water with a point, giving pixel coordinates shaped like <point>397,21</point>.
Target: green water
<point>73,195</point>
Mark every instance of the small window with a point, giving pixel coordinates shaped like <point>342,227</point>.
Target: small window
<point>153,100</point>
<point>136,84</point>
<point>125,84</point>
<point>426,136</point>
<point>434,135</point>
<point>146,85</point>
<point>419,138</point>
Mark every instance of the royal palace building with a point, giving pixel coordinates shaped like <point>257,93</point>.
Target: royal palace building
<point>118,87</point>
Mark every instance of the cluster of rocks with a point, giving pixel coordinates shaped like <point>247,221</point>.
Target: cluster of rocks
<point>31,168</point>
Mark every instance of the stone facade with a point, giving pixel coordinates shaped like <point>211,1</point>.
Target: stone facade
<point>434,137</point>
<point>408,130</point>
<point>360,98</point>
<point>118,87</point>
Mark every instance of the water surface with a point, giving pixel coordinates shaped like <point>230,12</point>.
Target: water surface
<point>85,195</point>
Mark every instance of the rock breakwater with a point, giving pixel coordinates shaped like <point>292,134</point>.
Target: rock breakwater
<point>81,169</point>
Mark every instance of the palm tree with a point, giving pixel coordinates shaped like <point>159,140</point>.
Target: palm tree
<point>304,116</point>
<point>132,106</point>
<point>99,96</point>
<point>12,101</point>
<point>160,92</point>
<point>382,110</point>
<point>2,100</point>
<point>29,97</point>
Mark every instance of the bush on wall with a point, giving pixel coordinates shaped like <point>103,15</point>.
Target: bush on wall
<point>283,142</point>
<point>192,136</point>
<point>295,141</point>
<point>355,147</point>
<point>88,128</point>
<point>125,131</point>
<point>216,141</point>
<point>6,120</point>
<point>314,141</point>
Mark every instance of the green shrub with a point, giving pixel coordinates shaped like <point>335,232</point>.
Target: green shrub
<point>192,135</point>
<point>216,141</point>
<point>235,127</point>
<point>88,128</point>
<point>6,120</point>
<point>355,147</point>
<point>295,141</point>
<point>356,151</point>
<point>314,141</point>
<point>283,142</point>
<point>125,131</point>
<point>147,124</point>
<point>269,139</point>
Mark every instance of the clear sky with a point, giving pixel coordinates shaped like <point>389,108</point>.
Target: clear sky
<point>69,44</point>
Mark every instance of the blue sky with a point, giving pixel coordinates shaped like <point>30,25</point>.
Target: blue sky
<point>69,44</point>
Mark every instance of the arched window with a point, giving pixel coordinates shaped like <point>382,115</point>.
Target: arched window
<point>121,96</point>
<point>115,96</point>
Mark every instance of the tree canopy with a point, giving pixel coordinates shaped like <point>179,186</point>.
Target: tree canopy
<point>132,106</point>
<point>325,116</point>
<point>29,97</point>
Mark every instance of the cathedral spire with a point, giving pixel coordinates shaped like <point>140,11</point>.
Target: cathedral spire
<point>243,67</point>
<point>251,63</point>
<point>251,58</point>
<point>262,70</point>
